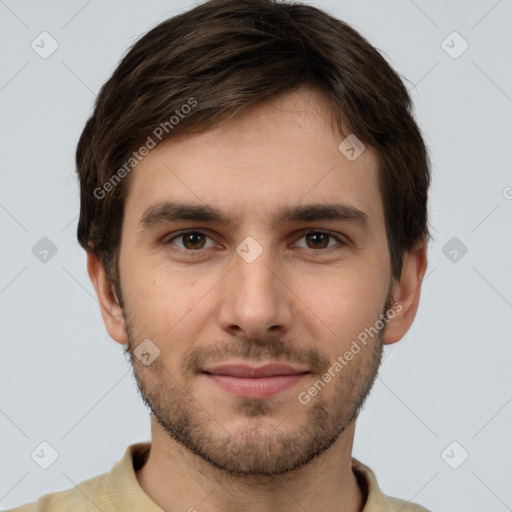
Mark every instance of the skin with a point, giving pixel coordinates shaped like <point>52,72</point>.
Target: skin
<point>302,301</point>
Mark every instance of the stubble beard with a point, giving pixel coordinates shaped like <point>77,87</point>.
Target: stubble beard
<point>263,446</point>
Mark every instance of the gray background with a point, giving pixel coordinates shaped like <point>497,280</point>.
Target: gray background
<point>64,381</point>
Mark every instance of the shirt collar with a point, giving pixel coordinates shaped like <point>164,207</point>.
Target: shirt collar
<point>128,496</point>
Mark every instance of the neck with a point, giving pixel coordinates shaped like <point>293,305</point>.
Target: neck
<point>177,479</point>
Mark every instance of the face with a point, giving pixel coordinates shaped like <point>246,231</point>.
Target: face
<point>271,279</point>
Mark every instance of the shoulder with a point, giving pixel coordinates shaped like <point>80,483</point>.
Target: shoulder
<point>86,495</point>
<point>376,500</point>
<point>398,505</point>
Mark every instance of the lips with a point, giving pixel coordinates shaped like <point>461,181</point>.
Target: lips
<point>255,383</point>
<point>267,370</point>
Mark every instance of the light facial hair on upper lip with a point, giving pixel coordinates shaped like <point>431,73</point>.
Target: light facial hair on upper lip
<point>255,353</point>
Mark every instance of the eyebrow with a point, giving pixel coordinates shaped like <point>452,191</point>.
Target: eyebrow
<point>173,211</point>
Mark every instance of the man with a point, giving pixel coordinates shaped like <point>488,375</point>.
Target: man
<point>254,210</point>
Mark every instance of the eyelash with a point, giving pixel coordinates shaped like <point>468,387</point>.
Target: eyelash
<point>168,240</point>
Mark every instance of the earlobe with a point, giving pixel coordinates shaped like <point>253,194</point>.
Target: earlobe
<point>111,311</point>
<point>406,293</point>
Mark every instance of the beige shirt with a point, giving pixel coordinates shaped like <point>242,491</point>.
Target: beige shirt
<point>119,491</point>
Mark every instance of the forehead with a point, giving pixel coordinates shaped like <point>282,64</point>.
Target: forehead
<point>258,164</point>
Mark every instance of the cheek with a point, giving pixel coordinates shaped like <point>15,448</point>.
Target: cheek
<point>341,306</point>
<point>166,306</point>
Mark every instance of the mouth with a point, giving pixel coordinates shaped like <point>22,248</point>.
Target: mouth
<point>255,383</point>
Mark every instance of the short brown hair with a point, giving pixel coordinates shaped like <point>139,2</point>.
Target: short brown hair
<point>225,55</point>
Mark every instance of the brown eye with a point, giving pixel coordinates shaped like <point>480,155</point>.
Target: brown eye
<point>190,240</point>
<point>320,240</point>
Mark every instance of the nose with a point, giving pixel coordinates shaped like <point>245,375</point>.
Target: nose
<point>256,297</point>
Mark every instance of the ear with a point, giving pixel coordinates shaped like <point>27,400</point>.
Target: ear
<point>406,292</point>
<point>111,312</point>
